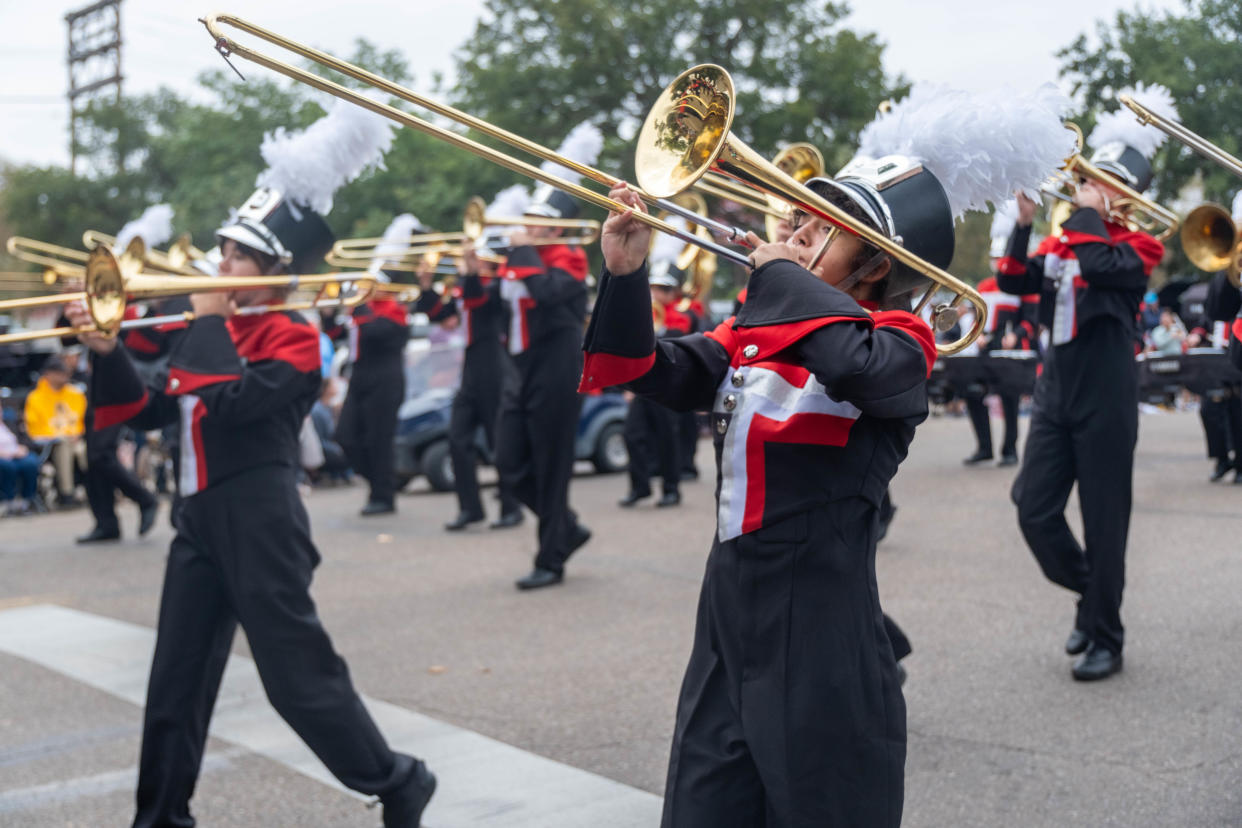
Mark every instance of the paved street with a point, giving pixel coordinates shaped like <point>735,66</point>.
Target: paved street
<point>555,709</point>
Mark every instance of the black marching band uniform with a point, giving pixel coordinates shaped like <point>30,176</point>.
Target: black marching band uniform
<point>1084,424</point>
<point>486,369</point>
<point>1221,408</point>
<point>377,335</point>
<point>655,435</point>
<point>791,710</point>
<point>243,554</point>
<point>545,288</point>
<point>1004,316</point>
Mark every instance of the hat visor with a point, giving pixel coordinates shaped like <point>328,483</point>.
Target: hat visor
<point>545,210</point>
<point>244,235</point>
<point>839,192</point>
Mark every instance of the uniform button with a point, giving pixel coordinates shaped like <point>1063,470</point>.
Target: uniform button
<point>174,384</point>
<point>730,402</point>
<point>722,425</point>
<point>738,380</point>
<point>750,351</point>
<point>1065,240</point>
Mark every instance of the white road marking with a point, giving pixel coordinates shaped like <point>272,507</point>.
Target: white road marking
<point>99,784</point>
<point>482,782</point>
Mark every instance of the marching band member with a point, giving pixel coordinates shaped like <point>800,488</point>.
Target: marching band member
<point>653,433</point>
<point>791,711</point>
<point>1222,327</point>
<point>241,385</point>
<point>545,287</point>
<point>377,331</point>
<point>477,306</point>
<point>1085,422</point>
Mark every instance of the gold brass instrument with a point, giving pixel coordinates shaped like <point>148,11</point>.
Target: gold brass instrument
<point>1213,241</point>
<point>1131,210</point>
<point>228,47</point>
<point>475,222</point>
<point>685,135</point>
<point>698,264</point>
<point>110,282</point>
<point>176,260</point>
<point>800,161</point>
<point>59,263</point>
<point>1191,139</point>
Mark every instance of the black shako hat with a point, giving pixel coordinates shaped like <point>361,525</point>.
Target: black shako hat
<point>1125,162</point>
<point>1123,145</point>
<point>906,203</point>
<point>552,203</point>
<point>273,224</point>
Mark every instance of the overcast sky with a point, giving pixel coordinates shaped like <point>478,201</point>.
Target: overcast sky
<point>966,43</point>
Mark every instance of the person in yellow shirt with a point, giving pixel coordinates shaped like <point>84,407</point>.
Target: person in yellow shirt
<point>56,414</point>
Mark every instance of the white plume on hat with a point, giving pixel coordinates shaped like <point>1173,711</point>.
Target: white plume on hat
<point>154,227</point>
<point>1003,221</point>
<point>668,248</point>
<point>308,166</point>
<point>582,144</point>
<point>393,243</point>
<point>1237,206</point>
<point>979,146</point>
<point>1122,125</point>
<point>511,201</point>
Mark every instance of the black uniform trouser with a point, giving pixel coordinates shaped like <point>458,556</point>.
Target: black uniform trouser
<point>105,475</point>
<point>477,404</point>
<point>243,555</point>
<point>688,426</point>
<point>979,419</point>
<point>536,433</point>
<point>1084,427</point>
<point>367,426</point>
<point>1221,412</point>
<point>791,713</point>
<point>652,438</point>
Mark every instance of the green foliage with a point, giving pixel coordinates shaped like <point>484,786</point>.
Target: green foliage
<point>1197,53</point>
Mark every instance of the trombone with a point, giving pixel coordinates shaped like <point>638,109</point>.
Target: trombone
<point>686,134</point>
<point>1132,209</point>
<point>1193,140</point>
<point>111,281</point>
<point>58,262</point>
<point>1213,242</point>
<point>800,161</point>
<point>176,260</point>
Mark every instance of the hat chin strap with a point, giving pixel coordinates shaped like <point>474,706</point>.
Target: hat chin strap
<point>847,284</point>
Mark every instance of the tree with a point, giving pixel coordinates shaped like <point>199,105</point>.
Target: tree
<point>539,69</point>
<point>1196,53</point>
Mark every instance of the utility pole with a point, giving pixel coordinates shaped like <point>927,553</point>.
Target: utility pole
<point>94,62</point>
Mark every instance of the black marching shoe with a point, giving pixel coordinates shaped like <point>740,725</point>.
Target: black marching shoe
<point>578,538</point>
<point>1098,662</point>
<point>978,457</point>
<point>98,535</point>
<point>378,507</point>
<point>1222,468</point>
<point>146,517</point>
<point>462,521</point>
<point>507,520</point>
<point>632,498</point>
<point>1077,642</point>
<point>1008,460</point>
<point>669,499</point>
<point>403,808</point>
<point>539,578</point>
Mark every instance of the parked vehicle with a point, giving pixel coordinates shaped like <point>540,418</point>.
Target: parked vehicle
<point>421,443</point>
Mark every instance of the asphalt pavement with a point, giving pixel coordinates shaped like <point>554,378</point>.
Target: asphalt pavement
<point>576,685</point>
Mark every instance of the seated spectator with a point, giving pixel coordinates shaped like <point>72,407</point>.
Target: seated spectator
<point>335,466</point>
<point>19,474</point>
<point>1168,337</point>
<point>55,416</point>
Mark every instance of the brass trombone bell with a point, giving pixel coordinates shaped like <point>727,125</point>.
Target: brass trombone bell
<point>687,133</point>
<point>228,47</point>
<point>1132,209</point>
<point>1213,242</point>
<point>111,282</point>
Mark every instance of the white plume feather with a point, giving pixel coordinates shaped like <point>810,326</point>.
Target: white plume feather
<point>1121,124</point>
<point>154,227</point>
<point>310,165</point>
<point>981,147</point>
<point>583,144</point>
<point>393,243</point>
<point>511,201</point>
<point>667,248</point>
<point>1237,206</point>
